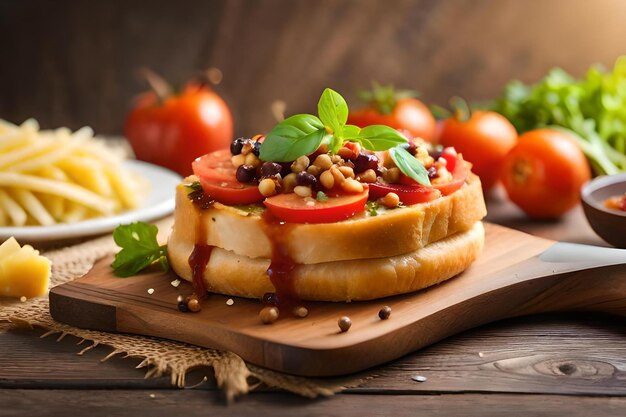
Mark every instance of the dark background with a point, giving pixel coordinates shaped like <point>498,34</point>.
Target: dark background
<point>75,63</point>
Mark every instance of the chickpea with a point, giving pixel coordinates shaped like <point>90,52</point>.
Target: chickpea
<point>391,175</point>
<point>346,171</point>
<point>327,179</point>
<point>303,191</point>
<point>289,182</point>
<point>314,170</point>
<point>337,175</point>
<point>267,187</point>
<point>251,159</point>
<point>391,200</point>
<point>300,164</point>
<point>238,160</point>
<point>323,161</point>
<point>368,176</point>
<point>352,186</point>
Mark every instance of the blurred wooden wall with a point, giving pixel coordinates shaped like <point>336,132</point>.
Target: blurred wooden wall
<point>74,63</point>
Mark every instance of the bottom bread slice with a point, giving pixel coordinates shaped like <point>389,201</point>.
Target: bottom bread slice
<point>363,279</point>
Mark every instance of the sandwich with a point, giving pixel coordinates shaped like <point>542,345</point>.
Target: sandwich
<point>320,210</point>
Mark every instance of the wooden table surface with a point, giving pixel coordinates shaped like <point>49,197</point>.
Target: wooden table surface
<point>572,365</point>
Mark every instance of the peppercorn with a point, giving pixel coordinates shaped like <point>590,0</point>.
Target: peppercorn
<point>344,324</point>
<point>269,298</point>
<point>193,304</point>
<point>182,304</point>
<point>269,314</point>
<point>245,173</point>
<point>236,146</point>
<point>305,178</point>
<point>269,169</point>
<point>301,311</point>
<point>256,148</point>
<point>384,313</point>
<point>432,173</point>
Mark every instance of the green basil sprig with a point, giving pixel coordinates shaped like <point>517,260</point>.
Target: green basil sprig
<point>302,134</point>
<point>409,165</point>
<point>140,249</point>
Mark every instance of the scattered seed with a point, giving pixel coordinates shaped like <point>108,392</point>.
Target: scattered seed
<point>193,304</point>
<point>301,311</point>
<point>23,299</point>
<point>230,302</point>
<point>480,354</point>
<point>175,283</point>
<point>152,395</point>
<point>150,291</point>
<point>182,304</point>
<point>419,378</point>
<point>269,314</point>
<point>384,313</point>
<point>344,324</point>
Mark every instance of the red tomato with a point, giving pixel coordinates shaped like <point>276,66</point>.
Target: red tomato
<point>217,177</point>
<point>295,209</point>
<point>484,140</point>
<point>543,173</point>
<point>409,194</point>
<point>408,113</point>
<point>174,132</point>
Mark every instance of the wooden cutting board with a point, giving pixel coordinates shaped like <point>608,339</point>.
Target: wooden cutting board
<point>517,274</point>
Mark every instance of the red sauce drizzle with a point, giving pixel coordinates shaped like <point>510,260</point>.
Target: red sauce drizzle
<point>281,265</point>
<point>198,261</point>
<point>201,254</point>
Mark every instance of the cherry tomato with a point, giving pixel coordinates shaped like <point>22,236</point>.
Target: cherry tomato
<point>484,140</point>
<point>543,173</point>
<point>217,177</point>
<point>174,132</point>
<point>409,194</point>
<point>295,209</point>
<point>408,113</point>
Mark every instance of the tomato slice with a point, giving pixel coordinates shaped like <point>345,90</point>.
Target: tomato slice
<point>217,177</point>
<point>409,194</point>
<point>295,209</point>
<point>459,177</point>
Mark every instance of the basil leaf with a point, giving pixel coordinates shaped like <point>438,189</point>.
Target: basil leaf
<point>333,111</point>
<point>140,249</point>
<point>351,132</point>
<point>379,138</point>
<point>409,165</point>
<point>295,136</point>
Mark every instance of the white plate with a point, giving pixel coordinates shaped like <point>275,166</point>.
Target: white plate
<point>159,203</point>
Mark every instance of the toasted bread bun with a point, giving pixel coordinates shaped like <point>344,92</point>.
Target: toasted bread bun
<point>390,233</point>
<point>362,279</point>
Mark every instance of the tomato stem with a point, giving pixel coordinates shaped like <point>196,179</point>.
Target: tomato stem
<point>460,109</point>
<point>157,83</point>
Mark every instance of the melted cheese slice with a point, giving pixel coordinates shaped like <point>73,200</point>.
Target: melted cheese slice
<point>23,272</point>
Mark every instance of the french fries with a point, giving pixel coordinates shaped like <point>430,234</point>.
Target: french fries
<point>56,176</point>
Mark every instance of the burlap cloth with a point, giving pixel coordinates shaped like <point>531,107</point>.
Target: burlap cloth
<point>161,356</point>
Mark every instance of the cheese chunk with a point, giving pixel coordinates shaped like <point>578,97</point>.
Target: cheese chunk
<point>23,272</point>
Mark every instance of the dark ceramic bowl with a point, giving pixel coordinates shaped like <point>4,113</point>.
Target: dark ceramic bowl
<point>609,224</point>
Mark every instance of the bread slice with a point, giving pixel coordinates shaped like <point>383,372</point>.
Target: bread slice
<point>390,233</point>
<point>347,280</point>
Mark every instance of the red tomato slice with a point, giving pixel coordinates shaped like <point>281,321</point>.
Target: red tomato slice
<point>295,209</point>
<point>217,177</point>
<point>459,176</point>
<point>451,157</point>
<point>409,194</point>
